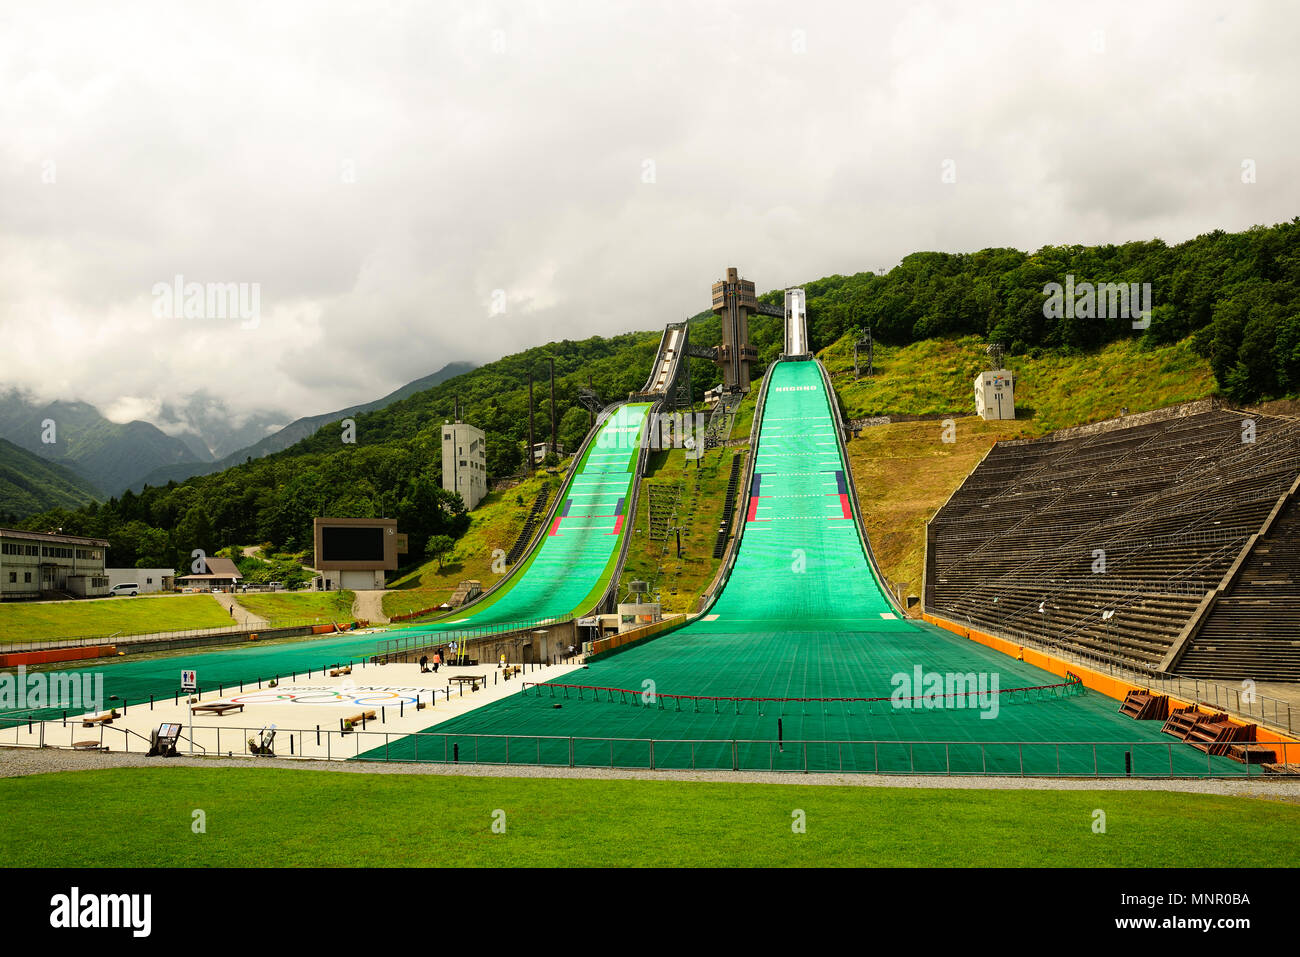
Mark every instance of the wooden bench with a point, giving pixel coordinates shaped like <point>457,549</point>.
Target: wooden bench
<point>359,718</point>
<point>474,680</point>
<point>218,707</point>
<point>511,671</point>
<point>88,746</point>
<point>105,718</point>
<point>340,672</point>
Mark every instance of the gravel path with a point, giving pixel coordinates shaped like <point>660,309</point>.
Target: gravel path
<point>15,762</point>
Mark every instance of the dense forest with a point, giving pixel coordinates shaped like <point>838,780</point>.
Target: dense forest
<point>1235,293</point>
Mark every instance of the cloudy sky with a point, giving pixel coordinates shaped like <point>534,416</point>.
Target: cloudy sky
<point>409,184</point>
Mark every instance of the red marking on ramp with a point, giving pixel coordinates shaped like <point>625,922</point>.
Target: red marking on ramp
<point>844,504</point>
<point>555,526</point>
<point>618,526</point>
<point>753,509</point>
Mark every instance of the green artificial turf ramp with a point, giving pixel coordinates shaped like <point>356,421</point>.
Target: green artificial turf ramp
<point>575,560</point>
<point>803,616</point>
<point>569,569</point>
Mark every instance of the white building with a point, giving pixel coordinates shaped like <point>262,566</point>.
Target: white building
<point>464,462</point>
<point>149,579</point>
<point>543,449</point>
<point>995,394</point>
<point>33,564</point>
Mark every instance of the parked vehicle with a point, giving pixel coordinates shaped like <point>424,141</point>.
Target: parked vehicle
<point>125,588</point>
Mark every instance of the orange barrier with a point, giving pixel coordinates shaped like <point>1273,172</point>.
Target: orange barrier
<point>1106,684</point>
<point>603,646</point>
<point>15,658</point>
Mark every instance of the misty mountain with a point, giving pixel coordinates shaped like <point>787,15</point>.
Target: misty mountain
<point>30,484</point>
<point>204,423</point>
<point>75,435</point>
<point>298,430</point>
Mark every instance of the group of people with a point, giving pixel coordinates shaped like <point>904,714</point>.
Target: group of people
<point>425,662</point>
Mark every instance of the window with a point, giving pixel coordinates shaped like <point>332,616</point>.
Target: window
<point>27,577</point>
<point>148,581</point>
<point>13,578</point>
<point>33,551</point>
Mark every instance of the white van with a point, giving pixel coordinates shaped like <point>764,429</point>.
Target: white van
<point>126,588</point>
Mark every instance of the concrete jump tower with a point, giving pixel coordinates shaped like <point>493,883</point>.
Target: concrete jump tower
<point>734,301</point>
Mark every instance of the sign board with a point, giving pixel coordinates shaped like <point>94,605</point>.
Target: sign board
<point>189,680</point>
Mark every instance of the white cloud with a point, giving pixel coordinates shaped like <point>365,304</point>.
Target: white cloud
<point>219,142</point>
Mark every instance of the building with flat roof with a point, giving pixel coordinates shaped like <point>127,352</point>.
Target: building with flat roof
<point>147,579</point>
<point>51,565</point>
<point>464,462</point>
<point>354,553</point>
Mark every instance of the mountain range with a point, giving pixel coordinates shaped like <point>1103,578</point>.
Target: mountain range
<point>72,454</point>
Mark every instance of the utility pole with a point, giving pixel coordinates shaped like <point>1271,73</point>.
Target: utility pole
<point>554,447</point>
<point>531,461</point>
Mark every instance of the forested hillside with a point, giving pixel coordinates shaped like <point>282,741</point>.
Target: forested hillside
<point>1233,294</point>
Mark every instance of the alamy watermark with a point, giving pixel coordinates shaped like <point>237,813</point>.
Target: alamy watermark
<point>179,299</point>
<point>661,430</point>
<point>55,689</point>
<point>1106,300</point>
<point>935,690</point>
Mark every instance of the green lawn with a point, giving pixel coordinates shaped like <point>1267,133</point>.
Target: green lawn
<point>291,606</point>
<point>269,817</point>
<point>495,524</point>
<point>1053,391</point>
<point>702,490</point>
<point>28,621</point>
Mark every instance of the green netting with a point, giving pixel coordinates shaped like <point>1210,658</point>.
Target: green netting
<point>802,616</point>
<point>562,577</point>
<point>576,558</point>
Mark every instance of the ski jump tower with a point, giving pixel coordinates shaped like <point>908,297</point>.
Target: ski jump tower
<point>734,301</point>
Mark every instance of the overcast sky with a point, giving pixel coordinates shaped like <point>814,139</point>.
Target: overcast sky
<point>392,174</point>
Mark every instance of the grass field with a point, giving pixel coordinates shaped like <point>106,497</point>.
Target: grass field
<point>35,621</point>
<point>287,606</point>
<point>904,472</point>
<point>496,523</point>
<point>702,489</point>
<point>1053,391</point>
<point>144,817</point>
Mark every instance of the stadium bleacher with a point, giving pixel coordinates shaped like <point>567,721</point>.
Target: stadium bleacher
<point>1105,540</point>
<point>1254,628</point>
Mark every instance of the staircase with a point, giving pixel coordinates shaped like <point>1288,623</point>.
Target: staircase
<point>662,505</point>
<point>530,526</point>
<point>728,507</point>
<point>466,591</point>
<point>718,430</point>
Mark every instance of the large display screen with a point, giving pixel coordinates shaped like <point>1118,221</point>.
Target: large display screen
<point>352,543</point>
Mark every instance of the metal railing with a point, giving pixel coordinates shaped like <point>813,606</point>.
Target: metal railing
<point>391,648</point>
<point>1241,702</point>
<point>1075,759</point>
<point>130,638</point>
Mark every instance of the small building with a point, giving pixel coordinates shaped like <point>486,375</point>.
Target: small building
<point>36,564</point>
<point>219,574</point>
<point>354,553</point>
<point>995,395</point>
<point>464,462</point>
<point>148,579</point>
<point>543,449</point>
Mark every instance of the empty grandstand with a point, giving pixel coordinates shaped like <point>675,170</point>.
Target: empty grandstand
<point>1107,540</point>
